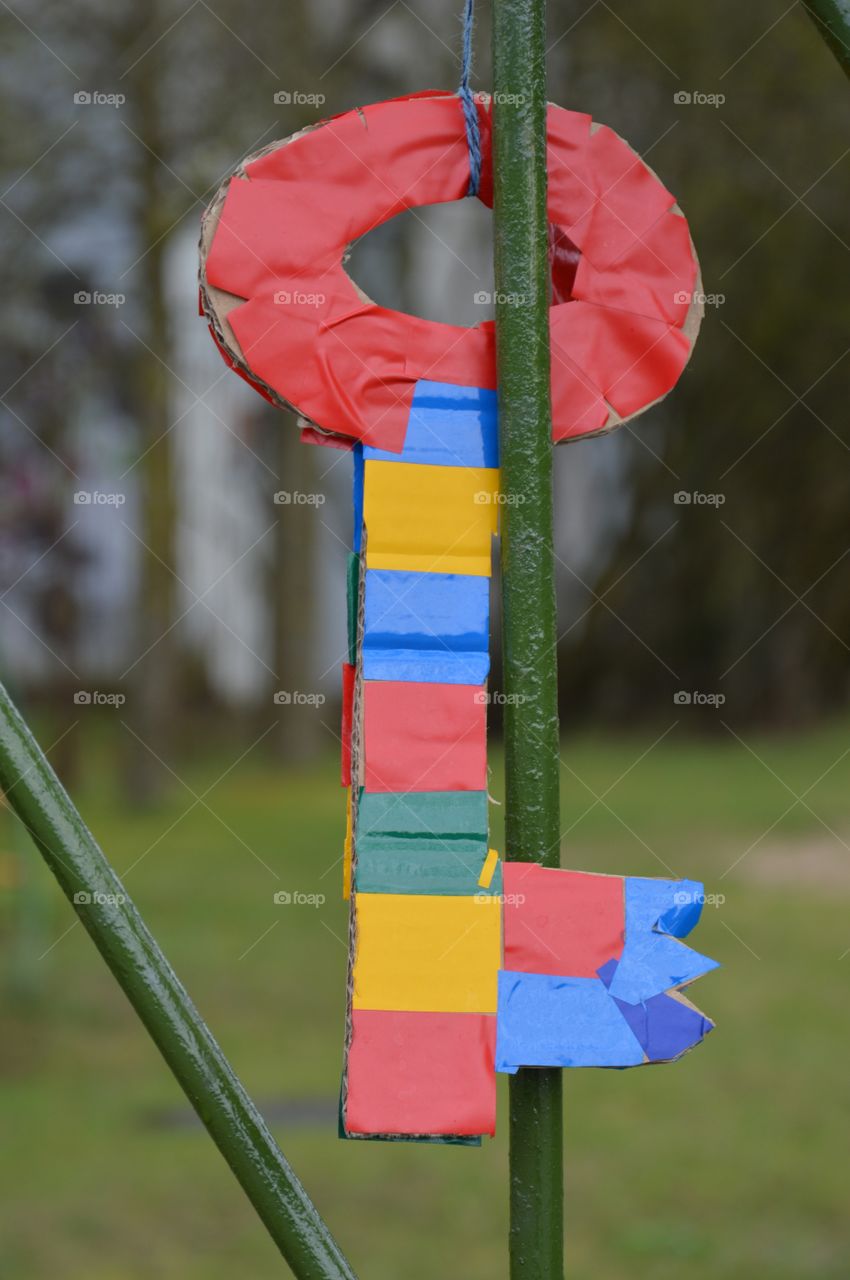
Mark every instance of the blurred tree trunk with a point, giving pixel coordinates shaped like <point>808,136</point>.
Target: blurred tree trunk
<point>299,736</point>
<point>153,699</point>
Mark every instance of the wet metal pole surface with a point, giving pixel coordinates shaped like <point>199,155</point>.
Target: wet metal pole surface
<point>832,19</point>
<point>528,580</point>
<point>100,900</point>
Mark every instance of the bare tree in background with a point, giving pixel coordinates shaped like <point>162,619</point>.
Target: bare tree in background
<point>196,91</point>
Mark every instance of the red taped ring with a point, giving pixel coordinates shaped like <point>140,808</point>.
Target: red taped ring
<point>289,318</point>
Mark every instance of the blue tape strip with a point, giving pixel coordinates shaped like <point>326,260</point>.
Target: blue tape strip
<point>665,1027</point>
<point>430,627</point>
<point>547,1021</point>
<point>449,426</point>
<point>357,485</point>
<point>648,901</point>
<point>652,962</point>
<point>425,668</point>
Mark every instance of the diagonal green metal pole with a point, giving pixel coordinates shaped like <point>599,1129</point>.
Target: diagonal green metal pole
<point>528,579</point>
<point>38,798</point>
<point>832,19</point>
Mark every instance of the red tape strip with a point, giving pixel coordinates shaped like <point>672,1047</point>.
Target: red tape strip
<point>623,267</point>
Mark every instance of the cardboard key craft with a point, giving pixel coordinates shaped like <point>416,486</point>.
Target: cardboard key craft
<point>459,965</point>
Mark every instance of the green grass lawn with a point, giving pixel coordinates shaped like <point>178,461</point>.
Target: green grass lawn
<point>732,1163</point>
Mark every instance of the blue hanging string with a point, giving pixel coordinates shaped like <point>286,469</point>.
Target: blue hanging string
<point>470,111</point>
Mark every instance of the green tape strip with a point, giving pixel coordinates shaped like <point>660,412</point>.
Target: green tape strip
<point>429,814</point>
<point>426,842</point>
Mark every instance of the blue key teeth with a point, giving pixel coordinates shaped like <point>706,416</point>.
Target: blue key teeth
<point>653,962</point>
<point>632,1012</point>
<point>666,1026</point>
<point>547,1021</point>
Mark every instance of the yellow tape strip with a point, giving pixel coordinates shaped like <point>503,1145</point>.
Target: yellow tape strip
<point>489,868</point>
<point>430,519</point>
<point>427,954</point>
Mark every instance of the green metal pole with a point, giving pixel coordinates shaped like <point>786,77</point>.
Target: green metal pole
<point>528,578</point>
<point>832,19</point>
<point>119,933</point>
